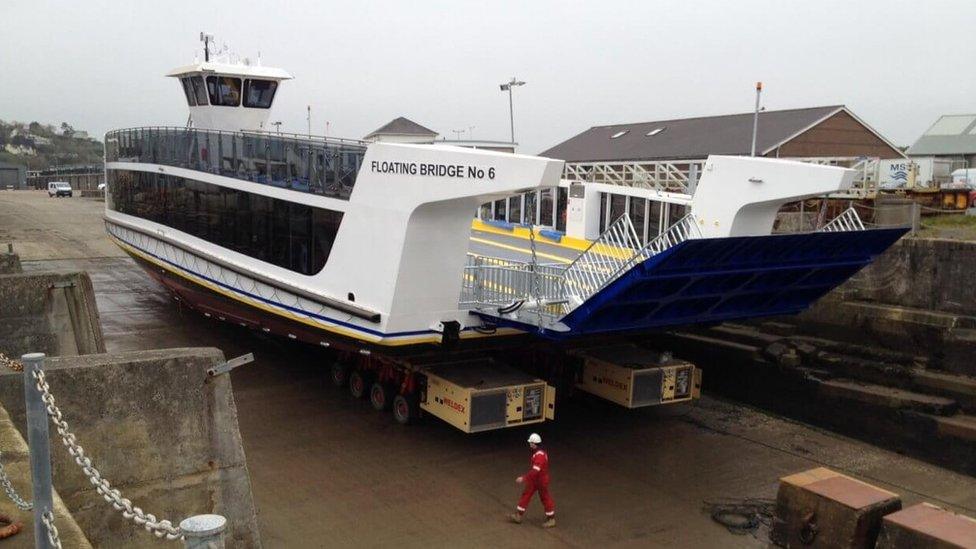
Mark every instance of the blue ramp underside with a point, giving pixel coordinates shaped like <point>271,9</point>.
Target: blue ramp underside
<point>718,279</point>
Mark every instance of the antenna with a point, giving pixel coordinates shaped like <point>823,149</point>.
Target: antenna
<point>207,39</point>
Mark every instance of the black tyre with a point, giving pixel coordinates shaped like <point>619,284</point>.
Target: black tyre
<point>381,395</point>
<point>406,409</point>
<point>359,382</point>
<point>340,374</point>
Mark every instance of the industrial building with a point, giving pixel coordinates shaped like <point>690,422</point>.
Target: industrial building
<point>633,165</point>
<point>12,176</point>
<point>951,141</point>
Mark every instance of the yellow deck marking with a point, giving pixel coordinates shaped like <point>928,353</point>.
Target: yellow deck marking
<point>522,250</point>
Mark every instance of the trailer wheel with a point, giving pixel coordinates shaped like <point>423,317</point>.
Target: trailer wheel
<point>406,409</point>
<point>340,374</point>
<point>381,395</point>
<point>358,383</point>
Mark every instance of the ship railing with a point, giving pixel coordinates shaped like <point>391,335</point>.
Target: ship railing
<point>553,290</point>
<point>606,256</point>
<point>311,164</point>
<point>490,281</point>
<point>849,220</point>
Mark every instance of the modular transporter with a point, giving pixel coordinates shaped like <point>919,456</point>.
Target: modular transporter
<point>363,249</point>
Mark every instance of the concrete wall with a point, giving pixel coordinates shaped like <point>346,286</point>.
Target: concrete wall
<point>52,313</point>
<point>9,263</point>
<point>921,273</point>
<point>16,463</point>
<point>159,429</point>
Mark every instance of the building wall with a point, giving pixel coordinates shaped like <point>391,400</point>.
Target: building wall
<point>840,135</point>
<point>12,176</point>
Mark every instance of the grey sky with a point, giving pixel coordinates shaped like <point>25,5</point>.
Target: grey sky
<point>99,64</point>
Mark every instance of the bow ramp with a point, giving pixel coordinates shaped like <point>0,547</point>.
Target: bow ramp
<point>679,278</point>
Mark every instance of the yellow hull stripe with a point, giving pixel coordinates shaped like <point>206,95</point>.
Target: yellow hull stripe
<point>390,342</point>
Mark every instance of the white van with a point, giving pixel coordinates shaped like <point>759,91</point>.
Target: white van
<point>59,189</point>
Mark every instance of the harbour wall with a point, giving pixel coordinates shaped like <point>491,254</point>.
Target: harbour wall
<point>155,425</point>
<point>52,313</point>
<point>919,295</point>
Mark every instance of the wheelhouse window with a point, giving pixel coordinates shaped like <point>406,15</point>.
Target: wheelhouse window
<point>224,91</point>
<point>199,90</point>
<point>258,94</point>
<point>188,90</point>
<point>287,234</point>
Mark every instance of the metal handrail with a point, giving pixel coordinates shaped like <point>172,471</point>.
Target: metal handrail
<point>849,220</point>
<point>495,282</point>
<point>325,167</point>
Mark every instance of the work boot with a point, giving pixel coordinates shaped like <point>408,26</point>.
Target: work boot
<point>549,523</point>
<point>516,518</point>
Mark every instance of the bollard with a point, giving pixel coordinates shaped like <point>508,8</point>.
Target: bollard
<point>40,448</point>
<point>203,531</point>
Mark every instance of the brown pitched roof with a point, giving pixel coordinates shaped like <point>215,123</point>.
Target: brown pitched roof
<point>688,138</point>
<point>402,126</point>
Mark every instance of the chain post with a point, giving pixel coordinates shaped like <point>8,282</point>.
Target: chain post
<point>203,531</point>
<point>40,448</point>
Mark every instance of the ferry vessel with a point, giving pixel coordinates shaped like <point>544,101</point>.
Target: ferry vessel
<point>362,248</point>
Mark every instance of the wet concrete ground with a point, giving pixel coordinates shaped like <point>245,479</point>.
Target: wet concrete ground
<point>329,471</point>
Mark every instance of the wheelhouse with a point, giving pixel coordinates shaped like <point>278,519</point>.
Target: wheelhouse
<point>226,96</point>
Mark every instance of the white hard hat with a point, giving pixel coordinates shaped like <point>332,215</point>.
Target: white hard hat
<point>535,439</point>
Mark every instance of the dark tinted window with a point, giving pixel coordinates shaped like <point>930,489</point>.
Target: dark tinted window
<point>545,207</point>
<point>636,213</point>
<point>290,235</point>
<point>676,212</point>
<point>199,90</point>
<point>224,91</point>
<point>259,93</point>
<point>188,90</point>
<point>561,204</point>
<point>618,205</point>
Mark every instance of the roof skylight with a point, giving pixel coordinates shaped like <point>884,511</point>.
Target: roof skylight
<point>656,131</point>
<point>619,134</point>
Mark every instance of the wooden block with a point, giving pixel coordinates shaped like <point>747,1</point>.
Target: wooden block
<point>823,508</point>
<point>925,526</point>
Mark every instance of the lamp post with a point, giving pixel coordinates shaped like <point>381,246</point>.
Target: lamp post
<point>507,86</point>
<point>755,118</point>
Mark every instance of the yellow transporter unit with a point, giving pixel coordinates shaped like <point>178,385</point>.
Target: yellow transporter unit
<point>635,377</point>
<point>481,395</point>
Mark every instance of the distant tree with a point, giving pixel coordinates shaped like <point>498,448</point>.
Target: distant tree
<point>35,127</point>
<point>66,129</point>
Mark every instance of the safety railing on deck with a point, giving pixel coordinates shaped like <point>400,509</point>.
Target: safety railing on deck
<point>316,165</point>
<point>493,281</point>
<point>615,248</point>
<point>849,220</point>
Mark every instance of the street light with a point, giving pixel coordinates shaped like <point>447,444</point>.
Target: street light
<point>511,112</point>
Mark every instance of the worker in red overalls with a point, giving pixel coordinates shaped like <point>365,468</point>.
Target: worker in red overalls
<point>537,479</point>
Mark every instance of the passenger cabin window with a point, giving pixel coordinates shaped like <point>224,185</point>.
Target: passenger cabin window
<point>287,234</point>
<point>199,90</point>
<point>258,94</point>
<point>188,90</point>
<point>224,91</point>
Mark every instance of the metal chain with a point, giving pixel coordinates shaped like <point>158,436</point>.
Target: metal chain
<point>52,530</point>
<point>9,489</point>
<point>158,528</point>
<point>11,363</point>
<point>535,272</point>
